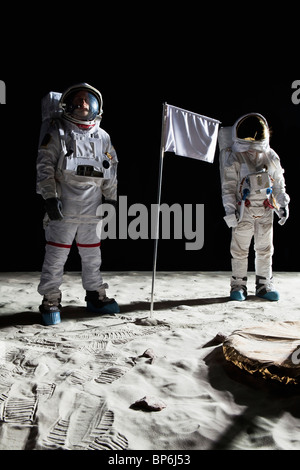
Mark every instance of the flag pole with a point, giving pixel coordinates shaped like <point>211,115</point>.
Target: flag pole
<point>162,151</point>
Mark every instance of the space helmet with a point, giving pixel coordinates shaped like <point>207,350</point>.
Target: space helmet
<point>252,127</point>
<point>251,133</point>
<point>82,104</point>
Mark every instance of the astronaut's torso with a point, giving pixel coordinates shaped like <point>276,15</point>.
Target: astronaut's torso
<point>85,165</point>
<point>250,171</point>
<point>86,158</point>
<point>255,176</point>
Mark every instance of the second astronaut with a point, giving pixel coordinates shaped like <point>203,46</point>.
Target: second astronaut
<point>253,187</point>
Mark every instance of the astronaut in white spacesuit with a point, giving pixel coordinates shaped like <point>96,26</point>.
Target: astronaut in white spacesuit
<point>253,188</point>
<point>76,166</point>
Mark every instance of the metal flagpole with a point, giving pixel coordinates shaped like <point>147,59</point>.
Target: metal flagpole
<point>162,151</point>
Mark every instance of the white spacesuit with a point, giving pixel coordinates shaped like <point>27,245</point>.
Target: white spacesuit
<point>253,187</point>
<point>76,166</point>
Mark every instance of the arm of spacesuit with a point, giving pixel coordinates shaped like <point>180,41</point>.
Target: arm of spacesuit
<point>109,186</point>
<point>48,155</point>
<point>229,180</point>
<point>279,191</point>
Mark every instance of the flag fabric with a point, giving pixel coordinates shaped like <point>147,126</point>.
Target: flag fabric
<point>189,134</point>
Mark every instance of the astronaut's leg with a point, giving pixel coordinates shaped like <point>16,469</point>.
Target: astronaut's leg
<point>88,245</point>
<point>59,237</point>
<point>263,245</point>
<point>239,249</point>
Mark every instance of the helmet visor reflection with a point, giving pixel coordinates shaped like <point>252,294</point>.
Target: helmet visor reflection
<point>252,128</point>
<point>81,105</point>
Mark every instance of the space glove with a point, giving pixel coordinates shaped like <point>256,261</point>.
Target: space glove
<point>53,208</point>
<point>283,214</point>
<point>231,220</point>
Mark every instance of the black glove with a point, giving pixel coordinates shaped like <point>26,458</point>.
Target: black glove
<point>53,208</point>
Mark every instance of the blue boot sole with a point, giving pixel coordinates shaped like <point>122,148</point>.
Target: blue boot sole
<point>108,309</point>
<point>237,295</point>
<point>52,318</point>
<point>272,296</point>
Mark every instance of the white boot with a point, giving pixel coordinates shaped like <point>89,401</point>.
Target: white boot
<point>265,289</point>
<point>238,288</point>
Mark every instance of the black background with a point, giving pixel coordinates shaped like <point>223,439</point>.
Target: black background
<point>135,79</point>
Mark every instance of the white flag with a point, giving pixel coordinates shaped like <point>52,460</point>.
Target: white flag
<point>190,135</point>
